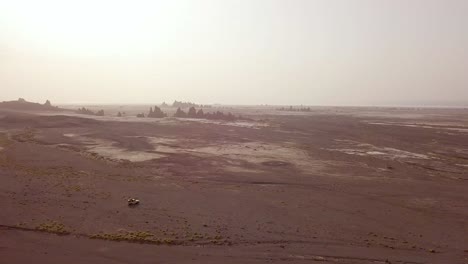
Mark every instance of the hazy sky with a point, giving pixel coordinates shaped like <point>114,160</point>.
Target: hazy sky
<point>325,52</point>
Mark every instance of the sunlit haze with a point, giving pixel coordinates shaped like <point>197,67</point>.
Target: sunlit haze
<point>330,52</point>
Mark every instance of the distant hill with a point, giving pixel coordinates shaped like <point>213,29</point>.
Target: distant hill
<point>23,105</point>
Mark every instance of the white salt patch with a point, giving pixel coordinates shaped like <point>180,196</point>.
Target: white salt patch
<point>364,149</point>
<point>246,124</point>
<point>166,145</point>
<point>119,153</point>
<point>375,153</point>
<point>404,154</point>
<point>420,125</point>
<point>106,148</point>
<point>464,130</point>
<point>254,152</point>
<point>168,120</point>
<point>422,202</point>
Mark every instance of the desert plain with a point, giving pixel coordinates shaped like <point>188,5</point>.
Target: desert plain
<point>333,185</point>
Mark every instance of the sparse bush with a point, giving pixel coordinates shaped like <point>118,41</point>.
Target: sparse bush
<point>53,227</point>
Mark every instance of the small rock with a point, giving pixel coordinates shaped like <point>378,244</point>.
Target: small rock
<point>133,202</point>
<point>318,258</point>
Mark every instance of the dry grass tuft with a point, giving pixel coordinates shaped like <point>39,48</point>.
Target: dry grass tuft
<point>53,227</point>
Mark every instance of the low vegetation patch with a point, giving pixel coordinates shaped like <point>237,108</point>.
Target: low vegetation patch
<point>53,227</point>
<point>150,238</point>
<point>26,136</point>
<point>134,236</point>
<point>4,141</point>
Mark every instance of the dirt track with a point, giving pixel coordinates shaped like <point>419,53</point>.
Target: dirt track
<point>335,187</point>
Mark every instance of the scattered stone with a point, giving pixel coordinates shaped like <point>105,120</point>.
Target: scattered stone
<point>133,202</point>
<point>318,258</point>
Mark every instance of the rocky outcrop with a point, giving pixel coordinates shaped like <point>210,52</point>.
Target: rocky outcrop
<point>156,113</point>
<point>193,113</point>
<point>86,111</point>
<point>293,109</point>
<point>22,105</point>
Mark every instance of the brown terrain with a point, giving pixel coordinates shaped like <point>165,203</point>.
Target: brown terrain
<point>333,185</point>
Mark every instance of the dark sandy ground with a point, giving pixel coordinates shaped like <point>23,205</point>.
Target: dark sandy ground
<point>332,186</point>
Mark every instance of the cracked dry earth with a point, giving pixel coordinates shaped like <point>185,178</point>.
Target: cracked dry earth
<point>322,188</point>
